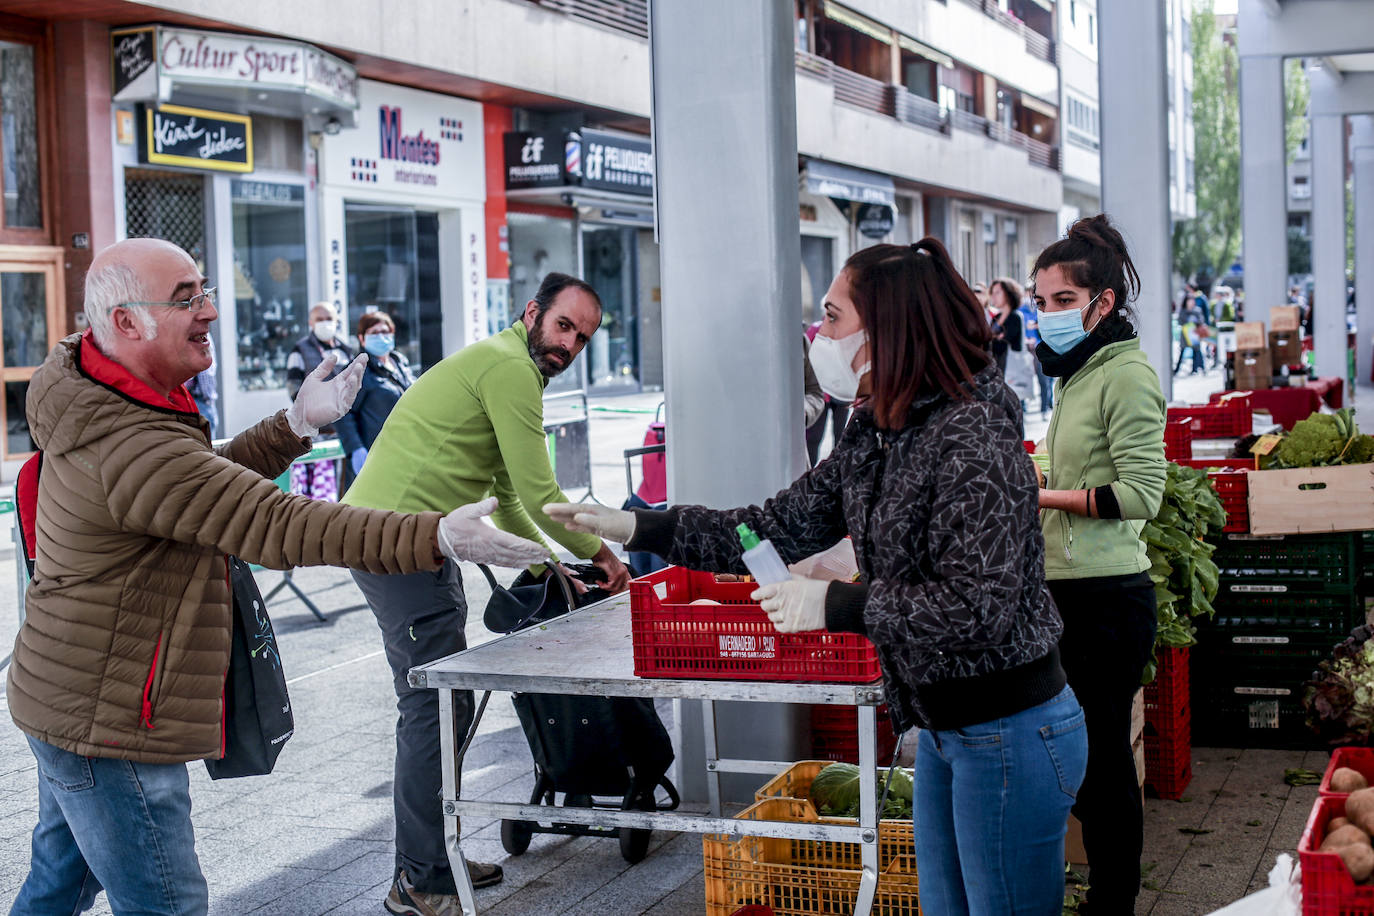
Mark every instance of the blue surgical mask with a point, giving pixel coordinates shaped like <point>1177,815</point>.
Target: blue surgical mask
<point>379,345</point>
<point>1062,331</point>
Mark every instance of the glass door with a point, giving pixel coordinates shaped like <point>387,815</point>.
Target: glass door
<point>393,265</point>
<point>609,258</point>
<point>31,323</point>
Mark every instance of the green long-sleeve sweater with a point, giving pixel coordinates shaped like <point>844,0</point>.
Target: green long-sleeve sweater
<point>470,427</point>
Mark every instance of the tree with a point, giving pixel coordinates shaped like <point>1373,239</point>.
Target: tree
<point>1297,92</point>
<point>1211,240</point>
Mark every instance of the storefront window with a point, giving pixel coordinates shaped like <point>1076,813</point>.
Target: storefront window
<point>608,256</point>
<point>540,245</point>
<point>19,133</point>
<point>818,265</point>
<point>393,265</point>
<point>269,282</point>
<point>24,316</point>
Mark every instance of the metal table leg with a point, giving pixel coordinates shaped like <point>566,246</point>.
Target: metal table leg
<point>451,766</point>
<point>708,730</point>
<point>868,809</point>
<point>288,582</point>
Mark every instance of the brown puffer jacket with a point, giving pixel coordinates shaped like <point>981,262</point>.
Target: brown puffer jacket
<point>125,644</point>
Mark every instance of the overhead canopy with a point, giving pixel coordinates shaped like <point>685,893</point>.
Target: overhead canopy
<point>858,23</point>
<point>1034,104</point>
<point>926,51</point>
<point>827,179</point>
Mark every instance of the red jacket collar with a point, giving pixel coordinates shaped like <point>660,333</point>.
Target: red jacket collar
<point>111,374</point>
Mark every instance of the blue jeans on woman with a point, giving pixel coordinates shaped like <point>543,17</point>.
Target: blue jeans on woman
<point>114,824</point>
<point>992,802</point>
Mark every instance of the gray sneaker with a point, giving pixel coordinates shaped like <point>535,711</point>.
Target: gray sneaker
<point>404,900</point>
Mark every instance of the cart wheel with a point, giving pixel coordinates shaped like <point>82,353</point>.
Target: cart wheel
<point>516,835</point>
<point>634,844</point>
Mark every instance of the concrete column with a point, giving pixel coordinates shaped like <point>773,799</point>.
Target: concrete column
<point>1328,245</point>
<point>1362,151</point>
<point>1263,185</point>
<point>1134,106</point>
<point>725,146</point>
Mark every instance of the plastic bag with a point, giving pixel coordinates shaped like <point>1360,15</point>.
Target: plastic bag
<point>833,563</point>
<point>1283,896</point>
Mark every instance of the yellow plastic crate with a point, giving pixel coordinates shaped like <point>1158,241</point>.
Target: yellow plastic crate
<point>896,837</point>
<point>801,877</point>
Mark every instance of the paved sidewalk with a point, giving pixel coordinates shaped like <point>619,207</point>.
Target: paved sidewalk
<point>315,837</point>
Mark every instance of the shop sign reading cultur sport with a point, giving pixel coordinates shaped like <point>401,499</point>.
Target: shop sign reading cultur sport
<point>590,158</point>
<point>196,138</point>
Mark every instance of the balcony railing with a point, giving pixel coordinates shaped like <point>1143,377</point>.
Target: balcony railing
<point>1037,45</point>
<point>628,16</point>
<point>918,110</point>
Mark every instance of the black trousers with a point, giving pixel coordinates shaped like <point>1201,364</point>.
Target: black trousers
<point>1109,634</point>
<point>422,616</point>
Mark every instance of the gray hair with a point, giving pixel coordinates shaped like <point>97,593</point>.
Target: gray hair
<point>107,288</point>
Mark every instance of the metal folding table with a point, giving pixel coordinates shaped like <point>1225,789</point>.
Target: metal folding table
<point>587,652</point>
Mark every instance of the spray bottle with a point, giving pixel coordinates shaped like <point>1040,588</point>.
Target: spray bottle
<point>761,558</point>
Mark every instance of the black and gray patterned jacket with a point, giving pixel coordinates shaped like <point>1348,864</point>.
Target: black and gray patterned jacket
<point>943,516</point>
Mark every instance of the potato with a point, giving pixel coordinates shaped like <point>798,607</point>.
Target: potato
<point>1358,859</point>
<point>1344,836</point>
<point>1335,822</point>
<point>1359,808</point>
<point>1344,779</point>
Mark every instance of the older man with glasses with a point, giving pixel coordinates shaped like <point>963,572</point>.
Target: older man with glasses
<point>118,670</point>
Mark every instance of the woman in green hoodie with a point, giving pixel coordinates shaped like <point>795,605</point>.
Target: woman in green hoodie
<point>1106,479</point>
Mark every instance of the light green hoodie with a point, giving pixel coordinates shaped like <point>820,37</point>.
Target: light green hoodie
<point>1107,429</point>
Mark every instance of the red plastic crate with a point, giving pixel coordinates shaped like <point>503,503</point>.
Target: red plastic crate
<point>1178,439</point>
<point>1360,759</point>
<point>734,640</point>
<point>1234,417</point>
<point>1233,488</point>
<point>835,734</point>
<point>1327,888</point>
<point>1029,445</point>
<point>1224,464</point>
<point>1168,726</point>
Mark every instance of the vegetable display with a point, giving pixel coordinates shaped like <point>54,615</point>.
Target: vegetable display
<point>835,791</point>
<point>1321,440</point>
<point>1340,698</point>
<point>1181,567</point>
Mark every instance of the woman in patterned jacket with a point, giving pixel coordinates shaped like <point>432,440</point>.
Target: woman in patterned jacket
<point>931,482</point>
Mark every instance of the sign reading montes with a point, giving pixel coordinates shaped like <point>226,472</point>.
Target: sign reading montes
<point>418,149</point>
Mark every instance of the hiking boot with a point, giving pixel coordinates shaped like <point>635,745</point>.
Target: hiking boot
<point>404,900</point>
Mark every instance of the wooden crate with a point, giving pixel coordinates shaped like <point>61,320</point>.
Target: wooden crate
<point>1312,500</point>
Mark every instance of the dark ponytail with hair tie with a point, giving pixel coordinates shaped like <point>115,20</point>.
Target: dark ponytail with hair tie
<point>1093,255</point>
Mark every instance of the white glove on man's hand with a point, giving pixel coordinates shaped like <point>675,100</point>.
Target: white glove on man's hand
<point>322,400</point>
<point>464,536</point>
<point>603,521</point>
<point>794,606</point>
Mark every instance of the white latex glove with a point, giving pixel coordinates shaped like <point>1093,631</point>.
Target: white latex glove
<point>603,521</point>
<point>464,536</point>
<point>794,606</point>
<point>322,400</point>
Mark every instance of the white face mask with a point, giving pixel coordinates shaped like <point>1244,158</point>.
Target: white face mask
<point>833,362</point>
<point>324,330</point>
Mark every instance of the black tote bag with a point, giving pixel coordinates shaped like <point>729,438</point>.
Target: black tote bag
<point>257,710</point>
<point>529,601</point>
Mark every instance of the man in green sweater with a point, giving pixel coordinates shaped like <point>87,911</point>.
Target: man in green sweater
<point>470,427</point>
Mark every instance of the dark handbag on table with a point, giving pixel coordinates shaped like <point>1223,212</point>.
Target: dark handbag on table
<point>257,710</point>
<point>528,600</point>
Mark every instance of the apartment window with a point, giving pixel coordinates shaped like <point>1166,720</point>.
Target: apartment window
<point>1073,12</point>
<point>1092,29</point>
<point>1188,174</point>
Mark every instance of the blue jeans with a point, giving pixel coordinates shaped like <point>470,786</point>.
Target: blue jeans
<point>113,824</point>
<point>992,802</point>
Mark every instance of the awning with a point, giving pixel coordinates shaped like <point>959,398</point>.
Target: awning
<point>926,51</point>
<point>1034,104</point>
<point>828,179</point>
<point>858,23</point>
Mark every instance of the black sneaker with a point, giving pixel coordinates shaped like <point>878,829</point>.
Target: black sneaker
<point>404,900</point>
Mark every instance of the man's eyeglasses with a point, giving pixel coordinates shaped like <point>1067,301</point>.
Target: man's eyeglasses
<point>192,305</point>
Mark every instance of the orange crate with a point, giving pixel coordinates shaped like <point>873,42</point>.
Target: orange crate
<point>733,640</point>
<point>1327,888</point>
<point>801,877</point>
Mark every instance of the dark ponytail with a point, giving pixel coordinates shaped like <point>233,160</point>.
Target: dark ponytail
<point>1093,255</point>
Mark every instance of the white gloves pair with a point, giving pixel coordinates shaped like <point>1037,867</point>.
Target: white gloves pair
<point>794,606</point>
<point>464,536</point>
<point>322,399</point>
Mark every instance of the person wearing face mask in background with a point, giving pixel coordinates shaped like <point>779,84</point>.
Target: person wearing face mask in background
<point>1105,480</point>
<point>387,377</point>
<point>839,360</point>
<point>318,479</point>
<point>834,412</point>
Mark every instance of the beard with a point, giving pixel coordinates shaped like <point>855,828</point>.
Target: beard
<point>541,351</point>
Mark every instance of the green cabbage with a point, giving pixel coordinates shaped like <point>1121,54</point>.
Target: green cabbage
<point>835,791</point>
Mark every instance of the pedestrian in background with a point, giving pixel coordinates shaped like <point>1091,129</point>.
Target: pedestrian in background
<point>1106,479</point>
<point>204,392</point>
<point>387,377</point>
<point>317,479</point>
<point>835,411</point>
